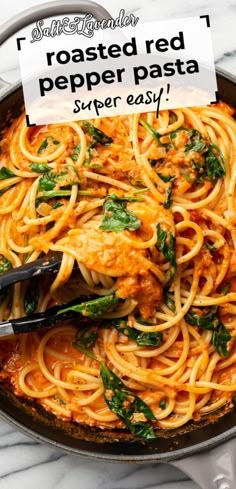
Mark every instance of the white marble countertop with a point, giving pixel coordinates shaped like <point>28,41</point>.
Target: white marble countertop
<point>26,463</point>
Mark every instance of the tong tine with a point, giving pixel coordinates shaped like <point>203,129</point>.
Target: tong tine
<point>50,317</point>
<point>42,266</point>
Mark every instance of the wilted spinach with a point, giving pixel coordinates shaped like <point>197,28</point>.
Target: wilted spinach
<point>97,135</point>
<point>5,173</point>
<point>49,180</point>
<point>95,307</point>
<point>31,298</point>
<point>44,143</point>
<point>141,338</point>
<point>5,264</point>
<point>39,167</point>
<point>116,217</point>
<point>166,244</point>
<point>210,320</point>
<point>131,409</point>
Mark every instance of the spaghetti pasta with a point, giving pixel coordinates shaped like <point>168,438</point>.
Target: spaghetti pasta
<point>146,207</point>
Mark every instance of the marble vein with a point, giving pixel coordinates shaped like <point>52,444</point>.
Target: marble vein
<point>73,472</point>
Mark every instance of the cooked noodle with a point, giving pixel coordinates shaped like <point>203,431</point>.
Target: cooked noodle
<point>54,201</point>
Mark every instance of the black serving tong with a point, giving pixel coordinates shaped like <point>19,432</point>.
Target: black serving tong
<point>50,317</point>
<point>42,266</point>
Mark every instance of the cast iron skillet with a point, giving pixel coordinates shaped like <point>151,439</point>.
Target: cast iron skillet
<point>212,470</point>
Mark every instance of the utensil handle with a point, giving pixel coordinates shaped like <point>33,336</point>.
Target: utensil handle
<point>4,85</point>
<point>48,318</point>
<point>42,266</point>
<point>51,9</point>
<point>214,469</point>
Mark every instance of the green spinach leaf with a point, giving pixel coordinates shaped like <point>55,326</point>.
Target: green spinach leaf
<point>49,180</point>
<point>141,338</point>
<point>215,163</point>
<point>197,146</point>
<point>5,264</point>
<point>131,409</point>
<point>5,173</point>
<point>95,307</point>
<point>51,194</point>
<point>199,168</point>
<point>57,205</point>
<point>39,167</point>
<point>166,178</point>
<point>213,166</point>
<point>155,134</point>
<point>168,198</point>
<point>220,339</point>
<point>210,247</point>
<point>76,153</point>
<point>86,337</point>
<point>226,288</point>
<point>197,142</point>
<point>4,190</point>
<point>44,143</point>
<point>158,162</point>
<point>162,404</point>
<point>210,321</point>
<point>84,350</point>
<point>166,244</point>
<point>126,199</point>
<point>199,317</point>
<point>168,301</point>
<point>88,155</point>
<point>116,217</point>
<point>31,298</point>
<point>98,135</point>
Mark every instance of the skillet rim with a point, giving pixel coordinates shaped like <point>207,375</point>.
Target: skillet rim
<point>121,457</point>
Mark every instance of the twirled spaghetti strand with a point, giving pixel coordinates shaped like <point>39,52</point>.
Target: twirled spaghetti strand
<point>63,189</point>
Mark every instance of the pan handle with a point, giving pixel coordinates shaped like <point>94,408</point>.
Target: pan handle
<point>43,11</point>
<point>4,85</point>
<point>50,9</point>
<point>214,469</point>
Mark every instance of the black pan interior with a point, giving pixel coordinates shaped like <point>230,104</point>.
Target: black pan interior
<point>114,445</point>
